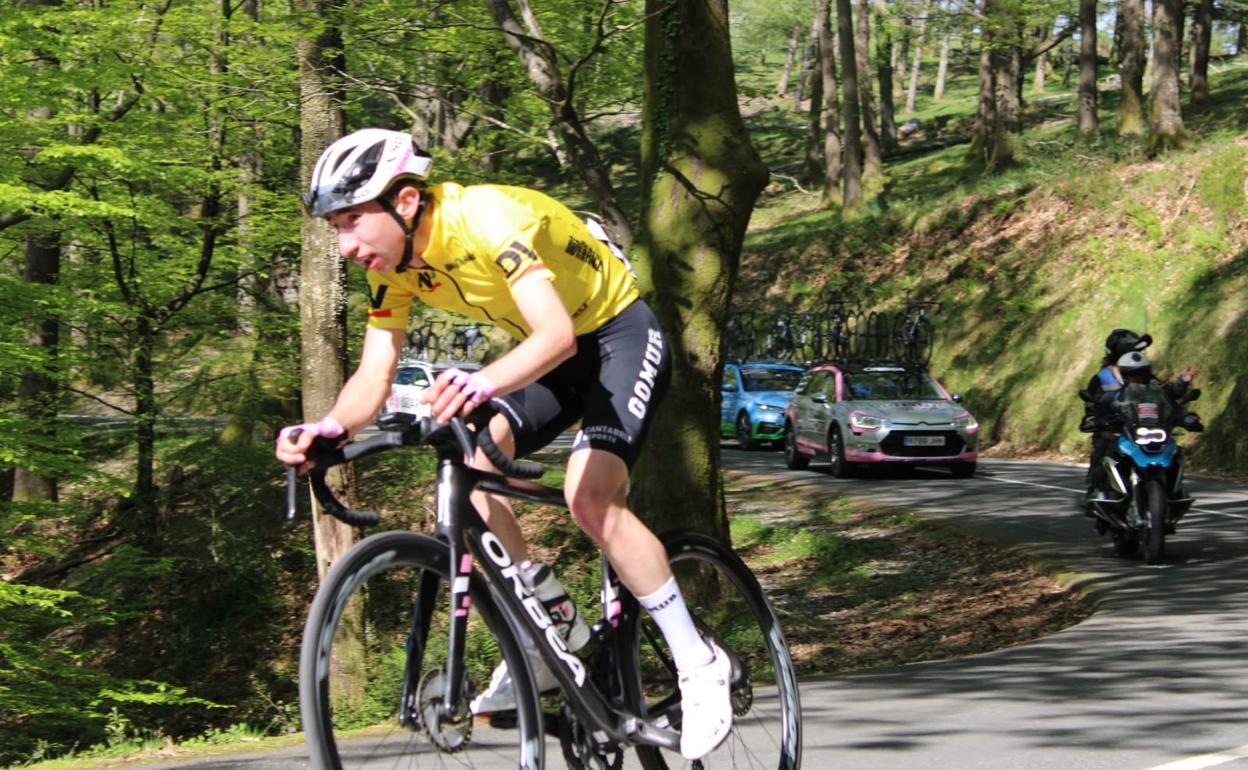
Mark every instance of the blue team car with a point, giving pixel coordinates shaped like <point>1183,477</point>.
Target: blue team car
<point>754,396</point>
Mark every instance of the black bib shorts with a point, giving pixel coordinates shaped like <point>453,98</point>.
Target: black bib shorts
<point>613,384</point>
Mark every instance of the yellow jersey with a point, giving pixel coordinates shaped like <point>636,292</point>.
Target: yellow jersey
<point>487,240</point>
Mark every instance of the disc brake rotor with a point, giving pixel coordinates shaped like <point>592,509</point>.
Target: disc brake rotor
<point>449,734</point>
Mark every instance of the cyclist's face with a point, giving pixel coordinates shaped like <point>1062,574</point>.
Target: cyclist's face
<point>368,235</point>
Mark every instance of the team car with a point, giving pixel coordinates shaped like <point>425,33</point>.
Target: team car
<point>753,399</point>
<point>411,380</point>
<point>860,414</point>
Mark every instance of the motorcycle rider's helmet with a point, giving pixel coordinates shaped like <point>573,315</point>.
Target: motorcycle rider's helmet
<point>361,167</point>
<point>1135,364</point>
<point>1123,341</point>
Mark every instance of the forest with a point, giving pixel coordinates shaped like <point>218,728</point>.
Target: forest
<point>168,306</point>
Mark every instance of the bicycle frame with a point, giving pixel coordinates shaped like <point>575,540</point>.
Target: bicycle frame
<point>469,539</point>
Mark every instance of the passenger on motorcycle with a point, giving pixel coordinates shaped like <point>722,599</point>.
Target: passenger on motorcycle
<point>1106,388</point>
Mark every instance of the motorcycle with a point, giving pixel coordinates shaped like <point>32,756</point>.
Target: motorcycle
<point>1144,467</point>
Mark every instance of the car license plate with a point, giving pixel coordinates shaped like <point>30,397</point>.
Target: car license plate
<point>923,440</point>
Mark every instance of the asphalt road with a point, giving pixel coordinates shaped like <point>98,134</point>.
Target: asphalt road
<point>1157,679</point>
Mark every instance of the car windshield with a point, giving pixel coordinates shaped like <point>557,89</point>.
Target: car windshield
<point>891,386</point>
<point>412,376</point>
<point>770,379</point>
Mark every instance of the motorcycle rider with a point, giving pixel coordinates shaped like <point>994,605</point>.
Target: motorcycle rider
<point>1108,379</point>
<point>1132,367</point>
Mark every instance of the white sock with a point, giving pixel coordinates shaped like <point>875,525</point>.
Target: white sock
<point>667,607</point>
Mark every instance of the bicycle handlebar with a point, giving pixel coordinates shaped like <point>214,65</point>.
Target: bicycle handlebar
<point>325,453</point>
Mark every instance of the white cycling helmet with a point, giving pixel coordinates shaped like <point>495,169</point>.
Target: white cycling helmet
<point>361,166</point>
<point>1134,362</point>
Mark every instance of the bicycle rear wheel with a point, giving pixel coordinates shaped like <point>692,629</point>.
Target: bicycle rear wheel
<point>358,679</point>
<point>727,603</point>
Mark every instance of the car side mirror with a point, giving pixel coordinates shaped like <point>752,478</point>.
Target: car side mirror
<point>820,398</point>
<point>956,397</point>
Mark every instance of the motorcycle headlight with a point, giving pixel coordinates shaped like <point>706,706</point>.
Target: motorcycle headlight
<point>966,422</point>
<point>1149,435</point>
<point>862,421</point>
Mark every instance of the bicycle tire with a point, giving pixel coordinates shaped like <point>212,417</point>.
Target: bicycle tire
<point>923,342</point>
<point>725,600</point>
<point>381,575</point>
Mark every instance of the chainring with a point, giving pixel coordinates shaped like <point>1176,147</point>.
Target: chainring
<point>448,734</point>
<point>580,750</point>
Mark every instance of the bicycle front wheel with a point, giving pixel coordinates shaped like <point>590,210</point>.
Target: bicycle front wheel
<point>728,604</point>
<point>369,699</point>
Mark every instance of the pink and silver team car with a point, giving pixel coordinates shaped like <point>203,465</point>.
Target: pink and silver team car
<point>859,414</point>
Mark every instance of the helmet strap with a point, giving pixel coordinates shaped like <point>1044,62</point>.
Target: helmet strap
<point>409,230</point>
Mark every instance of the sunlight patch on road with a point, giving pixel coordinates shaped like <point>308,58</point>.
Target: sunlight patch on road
<point>1205,760</point>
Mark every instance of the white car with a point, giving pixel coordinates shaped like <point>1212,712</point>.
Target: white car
<point>412,379</point>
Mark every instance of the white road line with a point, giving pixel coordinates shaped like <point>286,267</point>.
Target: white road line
<point>992,477</point>
<point>1205,760</point>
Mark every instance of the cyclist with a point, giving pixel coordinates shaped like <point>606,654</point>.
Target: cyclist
<point>589,349</point>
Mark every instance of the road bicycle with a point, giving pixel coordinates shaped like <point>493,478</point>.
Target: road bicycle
<point>913,335</point>
<point>406,627</point>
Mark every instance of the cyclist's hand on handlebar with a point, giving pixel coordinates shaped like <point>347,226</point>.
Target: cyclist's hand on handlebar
<point>457,393</point>
<point>293,440</point>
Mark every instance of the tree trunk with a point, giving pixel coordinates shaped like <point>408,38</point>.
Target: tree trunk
<point>38,392</point>
<point>852,189</point>
<point>322,282</point>
<point>920,33</point>
<point>832,141</point>
<point>1007,62</point>
<point>700,178</point>
<point>1087,70</point>
<point>990,144</point>
<point>806,67</point>
<point>942,69</point>
<point>542,64</point>
<point>815,164</point>
<point>143,380</point>
<point>884,68</point>
<point>1165,118</point>
<point>1131,51</point>
<point>795,39</point>
<point>873,156</point>
<point>1202,34</point>
<point>1241,39</point>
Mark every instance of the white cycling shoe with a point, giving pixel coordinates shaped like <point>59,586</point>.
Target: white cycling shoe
<point>706,705</point>
<point>501,695</point>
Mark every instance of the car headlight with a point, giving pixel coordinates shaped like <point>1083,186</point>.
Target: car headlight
<point>865,422</point>
<point>966,422</point>
<point>769,408</point>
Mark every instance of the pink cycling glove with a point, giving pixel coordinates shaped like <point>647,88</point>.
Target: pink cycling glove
<point>327,427</point>
<point>476,386</point>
